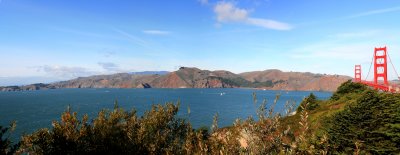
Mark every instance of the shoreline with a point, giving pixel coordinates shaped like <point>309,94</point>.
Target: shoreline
<point>24,89</point>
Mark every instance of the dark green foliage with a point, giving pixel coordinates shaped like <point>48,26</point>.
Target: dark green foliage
<point>348,87</point>
<point>236,81</point>
<point>6,145</point>
<point>113,132</point>
<point>310,103</point>
<point>372,125</point>
<point>244,83</point>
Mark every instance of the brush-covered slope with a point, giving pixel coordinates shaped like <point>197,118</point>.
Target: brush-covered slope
<point>295,80</point>
<point>356,119</point>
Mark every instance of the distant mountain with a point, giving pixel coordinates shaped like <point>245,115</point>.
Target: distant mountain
<point>296,80</point>
<point>187,77</point>
<point>120,80</point>
<point>149,73</point>
<point>37,86</point>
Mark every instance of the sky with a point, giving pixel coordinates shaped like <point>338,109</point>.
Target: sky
<point>47,40</point>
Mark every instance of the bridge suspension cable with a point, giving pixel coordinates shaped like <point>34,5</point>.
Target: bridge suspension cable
<point>380,79</point>
<point>372,60</point>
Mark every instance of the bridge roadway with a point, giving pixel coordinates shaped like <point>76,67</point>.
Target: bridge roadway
<point>383,87</point>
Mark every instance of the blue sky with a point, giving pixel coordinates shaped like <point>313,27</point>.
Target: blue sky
<point>46,40</point>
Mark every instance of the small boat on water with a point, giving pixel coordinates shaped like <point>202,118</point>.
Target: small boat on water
<point>223,93</point>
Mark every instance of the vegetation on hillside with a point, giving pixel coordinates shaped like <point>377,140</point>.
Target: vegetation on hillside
<point>241,82</point>
<point>372,125</point>
<point>6,145</point>
<point>355,120</point>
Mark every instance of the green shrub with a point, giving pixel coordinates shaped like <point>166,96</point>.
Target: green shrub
<point>6,145</point>
<point>348,87</point>
<point>113,132</point>
<point>309,103</point>
<point>371,125</point>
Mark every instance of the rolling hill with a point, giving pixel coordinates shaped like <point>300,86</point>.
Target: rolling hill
<point>189,77</point>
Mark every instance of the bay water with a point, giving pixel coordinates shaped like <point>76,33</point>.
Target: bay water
<point>33,110</point>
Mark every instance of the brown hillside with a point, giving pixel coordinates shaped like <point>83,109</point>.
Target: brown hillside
<point>187,77</point>
<point>296,80</point>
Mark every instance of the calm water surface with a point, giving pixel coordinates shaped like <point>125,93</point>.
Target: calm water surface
<point>37,109</point>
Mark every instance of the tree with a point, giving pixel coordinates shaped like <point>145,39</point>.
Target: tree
<point>348,87</point>
<point>6,145</point>
<point>117,131</point>
<point>372,125</point>
<point>310,103</point>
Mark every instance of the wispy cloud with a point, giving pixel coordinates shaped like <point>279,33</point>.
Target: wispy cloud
<point>132,38</point>
<point>109,66</point>
<point>374,12</point>
<point>106,52</point>
<point>349,17</point>
<point>227,12</point>
<point>81,32</point>
<point>149,48</point>
<point>65,71</point>
<point>269,24</point>
<point>156,32</point>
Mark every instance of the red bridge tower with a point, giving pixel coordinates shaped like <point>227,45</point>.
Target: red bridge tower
<point>357,73</point>
<point>380,65</point>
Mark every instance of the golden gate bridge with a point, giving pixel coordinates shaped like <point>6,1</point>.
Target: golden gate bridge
<point>380,79</point>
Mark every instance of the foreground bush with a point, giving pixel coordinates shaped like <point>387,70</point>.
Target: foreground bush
<point>310,103</point>
<point>6,145</point>
<point>371,126</point>
<point>159,131</point>
<point>113,132</point>
<point>348,87</point>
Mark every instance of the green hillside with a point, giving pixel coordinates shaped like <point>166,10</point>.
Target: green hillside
<point>356,119</point>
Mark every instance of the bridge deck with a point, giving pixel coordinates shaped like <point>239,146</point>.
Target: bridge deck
<point>383,87</point>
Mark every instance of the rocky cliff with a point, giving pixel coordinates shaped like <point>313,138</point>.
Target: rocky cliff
<point>187,77</point>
